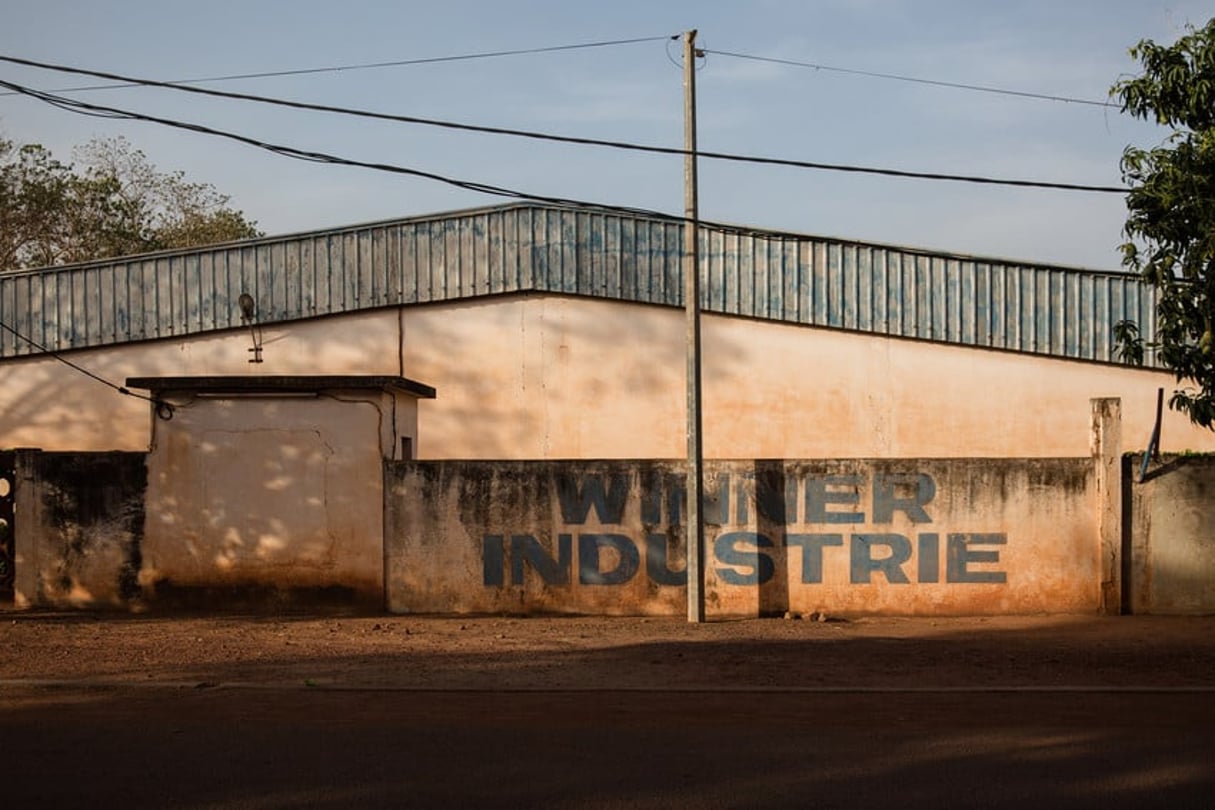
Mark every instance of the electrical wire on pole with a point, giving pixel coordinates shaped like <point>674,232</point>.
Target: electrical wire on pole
<point>544,136</point>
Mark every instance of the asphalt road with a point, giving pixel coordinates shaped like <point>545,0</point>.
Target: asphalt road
<point>290,746</point>
<point>269,712</point>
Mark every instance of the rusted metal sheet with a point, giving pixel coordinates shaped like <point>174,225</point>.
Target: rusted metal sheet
<point>756,274</point>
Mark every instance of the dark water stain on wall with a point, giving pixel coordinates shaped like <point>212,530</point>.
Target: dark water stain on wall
<point>92,502</point>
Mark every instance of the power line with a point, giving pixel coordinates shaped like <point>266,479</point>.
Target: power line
<point>162,406</point>
<point>607,43</point>
<point>367,65</point>
<point>84,108</point>
<point>710,155</point>
<point>913,79</point>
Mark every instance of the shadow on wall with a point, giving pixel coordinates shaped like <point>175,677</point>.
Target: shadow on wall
<point>583,370</point>
<point>451,361</point>
<point>896,537</point>
<point>1169,537</point>
<point>772,521</point>
<point>249,500</point>
<point>46,403</point>
<point>274,499</point>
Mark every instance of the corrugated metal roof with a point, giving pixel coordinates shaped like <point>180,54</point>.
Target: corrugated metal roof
<point>888,290</point>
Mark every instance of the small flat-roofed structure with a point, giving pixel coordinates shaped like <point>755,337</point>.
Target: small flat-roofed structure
<point>271,485</point>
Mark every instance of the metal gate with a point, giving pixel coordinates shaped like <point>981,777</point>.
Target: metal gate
<point>8,497</point>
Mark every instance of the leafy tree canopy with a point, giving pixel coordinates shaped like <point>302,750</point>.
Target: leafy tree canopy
<point>112,202</point>
<point>1170,226</point>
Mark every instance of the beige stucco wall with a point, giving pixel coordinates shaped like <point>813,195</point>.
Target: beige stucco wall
<point>542,376</point>
<point>46,404</point>
<point>267,493</point>
<point>573,378</point>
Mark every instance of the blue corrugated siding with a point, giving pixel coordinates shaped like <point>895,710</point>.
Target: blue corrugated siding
<point>782,277</point>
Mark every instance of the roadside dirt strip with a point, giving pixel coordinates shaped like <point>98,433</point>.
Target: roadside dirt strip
<point>409,652</point>
<point>374,711</point>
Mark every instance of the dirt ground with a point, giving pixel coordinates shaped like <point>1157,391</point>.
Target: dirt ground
<point>408,652</point>
<point>259,712</point>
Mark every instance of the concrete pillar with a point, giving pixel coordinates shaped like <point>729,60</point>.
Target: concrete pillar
<point>28,530</point>
<point>1106,445</point>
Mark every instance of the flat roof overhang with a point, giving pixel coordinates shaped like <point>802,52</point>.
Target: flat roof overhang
<point>282,384</point>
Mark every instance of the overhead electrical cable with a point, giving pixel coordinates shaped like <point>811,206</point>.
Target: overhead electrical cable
<point>664,150</point>
<point>913,79</point>
<point>524,51</point>
<point>85,108</point>
<point>428,60</point>
<point>162,406</point>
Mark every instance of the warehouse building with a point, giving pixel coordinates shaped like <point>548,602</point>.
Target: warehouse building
<point>270,379</point>
<point>554,333</point>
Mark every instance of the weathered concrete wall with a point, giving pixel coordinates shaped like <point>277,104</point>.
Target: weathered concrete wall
<point>1172,538</point>
<point>79,528</point>
<point>930,537</point>
<point>552,377</point>
<point>8,496</point>
<point>268,497</point>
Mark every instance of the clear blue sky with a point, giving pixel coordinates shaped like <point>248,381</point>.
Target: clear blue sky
<point>1061,47</point>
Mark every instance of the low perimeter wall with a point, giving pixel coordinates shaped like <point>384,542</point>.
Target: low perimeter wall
<point>79,528</point>
<point>907,537</point>
<point>1170,565</point>
<point>894,537</point>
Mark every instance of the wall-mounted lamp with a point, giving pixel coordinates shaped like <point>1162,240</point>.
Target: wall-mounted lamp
<point>248,315</point>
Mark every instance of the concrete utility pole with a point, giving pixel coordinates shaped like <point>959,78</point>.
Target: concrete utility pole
<point>694,530</point>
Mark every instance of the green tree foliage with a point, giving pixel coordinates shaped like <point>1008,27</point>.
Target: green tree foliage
<point>1170,226</point>
<point>113,203</point>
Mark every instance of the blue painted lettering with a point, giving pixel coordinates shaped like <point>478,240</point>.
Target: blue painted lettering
<point>765,504</point>
<point>812,553</point>
<point>715,509</point>
<point>714,506</point>
<point>891,565</point>
<point>886,498</point>
<point>760,566</point>
<point>577,501</point>
<point>844,490</point>
<point>590,560</point>
<point>493,559</point>
<point>961,554</point>
<point>928,558</point>
<point>657,561</point>
<point>742,497</point>
<point>651,498</point>
<point>527,550</point>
